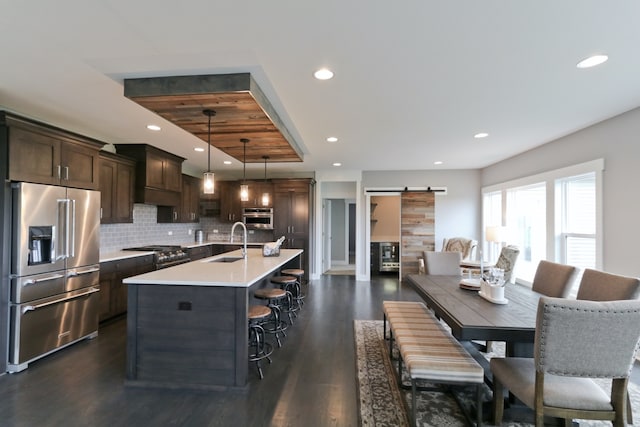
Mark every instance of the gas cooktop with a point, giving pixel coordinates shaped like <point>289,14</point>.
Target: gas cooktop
<point>155,248</point>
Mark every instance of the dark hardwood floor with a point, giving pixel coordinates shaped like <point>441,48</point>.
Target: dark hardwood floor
<point>311,382</point>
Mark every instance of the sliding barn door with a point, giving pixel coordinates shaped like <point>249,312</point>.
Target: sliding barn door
<point>417,229</point>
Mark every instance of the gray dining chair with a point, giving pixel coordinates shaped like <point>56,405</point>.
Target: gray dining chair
<point>600,286</point>
<point>576,341</point>
<point>442,263</point>
<point>553,279</point>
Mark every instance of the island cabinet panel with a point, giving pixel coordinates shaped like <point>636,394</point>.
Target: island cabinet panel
<point>45,154</point>
<point>187,336</point>
<point>200,252</point>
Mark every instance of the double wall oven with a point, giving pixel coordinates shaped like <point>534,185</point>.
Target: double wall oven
<point>55,263</point>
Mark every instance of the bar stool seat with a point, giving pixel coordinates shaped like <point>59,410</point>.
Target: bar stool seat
<point>275,299</point>
<point>298,274</point>
<point>259,348</point>
<point>289,284</point>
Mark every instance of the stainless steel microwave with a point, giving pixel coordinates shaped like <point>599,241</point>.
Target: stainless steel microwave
<point>258,218</point>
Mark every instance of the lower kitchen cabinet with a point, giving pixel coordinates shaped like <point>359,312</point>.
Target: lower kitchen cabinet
<point>200,252</point>
<point>113,293</point>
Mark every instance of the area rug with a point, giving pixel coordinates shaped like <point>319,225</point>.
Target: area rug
<point>381,401</point>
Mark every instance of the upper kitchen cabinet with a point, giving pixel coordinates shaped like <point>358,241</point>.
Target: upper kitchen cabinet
<point>45,154</point>
<point>117,178</point>
<point>291,206</point>
<point>158,174</point>
<point>230,205</point>
<point>256,189</point>
<point>189,208</point>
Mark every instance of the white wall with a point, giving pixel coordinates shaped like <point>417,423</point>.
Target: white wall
<point>616,141</point>
<point>457,213</point>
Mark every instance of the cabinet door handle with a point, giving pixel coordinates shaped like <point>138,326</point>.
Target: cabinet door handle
<point>59,171</point>
<point>175,215</point>
<point>100,213</point>
<point>66,173</point>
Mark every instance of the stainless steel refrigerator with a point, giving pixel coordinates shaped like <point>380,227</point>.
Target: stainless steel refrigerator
<point>55,267</point>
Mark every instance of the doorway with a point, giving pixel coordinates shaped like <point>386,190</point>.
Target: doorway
<point>339,238</point>
<point>385,235</point>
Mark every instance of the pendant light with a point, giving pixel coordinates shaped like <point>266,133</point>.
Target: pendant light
<point>244,188</point>
<point>265,195</point>
<point>208,180</point>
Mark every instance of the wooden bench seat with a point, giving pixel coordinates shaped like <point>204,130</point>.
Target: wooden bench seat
<point>431,353</point>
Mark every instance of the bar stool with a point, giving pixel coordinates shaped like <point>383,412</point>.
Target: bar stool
<point>259,348</point>
<point>290,285</point>
<point>275,299</point>
<point>298,274</point>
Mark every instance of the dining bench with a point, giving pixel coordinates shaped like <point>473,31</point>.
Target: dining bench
<point>430,353</point>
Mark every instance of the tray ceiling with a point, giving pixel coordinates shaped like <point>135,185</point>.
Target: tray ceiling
<point>242,111</point>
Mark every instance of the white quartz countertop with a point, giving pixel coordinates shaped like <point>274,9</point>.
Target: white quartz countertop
<point>204,272</point>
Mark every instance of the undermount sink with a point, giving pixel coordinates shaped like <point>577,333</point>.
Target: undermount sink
<point>227,259</point>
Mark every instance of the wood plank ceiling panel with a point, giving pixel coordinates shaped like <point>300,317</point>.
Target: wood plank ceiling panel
<point>242,111</point>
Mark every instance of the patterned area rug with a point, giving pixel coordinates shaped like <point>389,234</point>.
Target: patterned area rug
<point>381,401</point>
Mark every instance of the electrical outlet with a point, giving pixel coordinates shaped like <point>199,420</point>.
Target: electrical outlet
<point>251,231</point>
<point>215,231</point>
<point>170,233</point>
<point>190,231</point>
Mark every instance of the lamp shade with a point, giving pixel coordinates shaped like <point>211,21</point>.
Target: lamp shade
<point>496,233</point>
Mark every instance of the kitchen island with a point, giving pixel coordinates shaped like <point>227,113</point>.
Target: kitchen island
<point>187,325</point>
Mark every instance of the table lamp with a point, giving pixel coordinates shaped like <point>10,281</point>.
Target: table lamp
<point>496,234</point>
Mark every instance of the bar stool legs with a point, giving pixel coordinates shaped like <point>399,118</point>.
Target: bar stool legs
<point>274,298</point>
<point>289,284</point>
<point>259,348</point>
<point>299,275</point>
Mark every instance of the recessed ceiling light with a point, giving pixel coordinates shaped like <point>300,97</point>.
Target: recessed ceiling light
<point>332,139</point>
<point>437,162</point>
<point>592,61</point>
<point>198,149</point>
<point>337,164</point>
<point>227,162</point>
<point>323,74</point>
<point>153,127</point>
<point>481,135</point>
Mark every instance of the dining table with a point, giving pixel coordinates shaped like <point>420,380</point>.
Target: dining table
<point>472,317</point>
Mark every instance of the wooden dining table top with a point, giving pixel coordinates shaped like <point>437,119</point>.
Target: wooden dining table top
<point>472,317</point>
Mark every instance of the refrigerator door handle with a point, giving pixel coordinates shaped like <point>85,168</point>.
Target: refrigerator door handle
<point>43,279</point>
<point>28,308</point>
<point>72,273</point>
<point>72,234</point>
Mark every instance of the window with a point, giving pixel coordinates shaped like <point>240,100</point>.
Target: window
<point>577,201</point>
<point>553,216</point>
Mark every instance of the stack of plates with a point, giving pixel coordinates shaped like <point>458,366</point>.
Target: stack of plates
<point>471,284</point>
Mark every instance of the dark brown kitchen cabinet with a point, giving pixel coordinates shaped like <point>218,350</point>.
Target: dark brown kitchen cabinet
<point>117,179</point>
<point>230,206</point>
<point>256,189</point>
<point>200,252</point>
<point>113,293</point>
<point>158,174</point>
<point>189,208</point>
<point>47,155</point>
<point>291,206</point>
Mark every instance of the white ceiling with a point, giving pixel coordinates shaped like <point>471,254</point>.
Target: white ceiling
<point>414,79</point>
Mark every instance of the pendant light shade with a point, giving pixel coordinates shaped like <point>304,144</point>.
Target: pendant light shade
<point>244,188</point>
<point>265,195</point>
<point>208,180</point>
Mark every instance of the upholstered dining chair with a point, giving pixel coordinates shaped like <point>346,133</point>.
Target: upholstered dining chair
<point>463,245</point>
<point>507,261</point>
<point>600,286</point>
<point>553,280</point>
<point>442,263</point>
<point>576,341</point>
